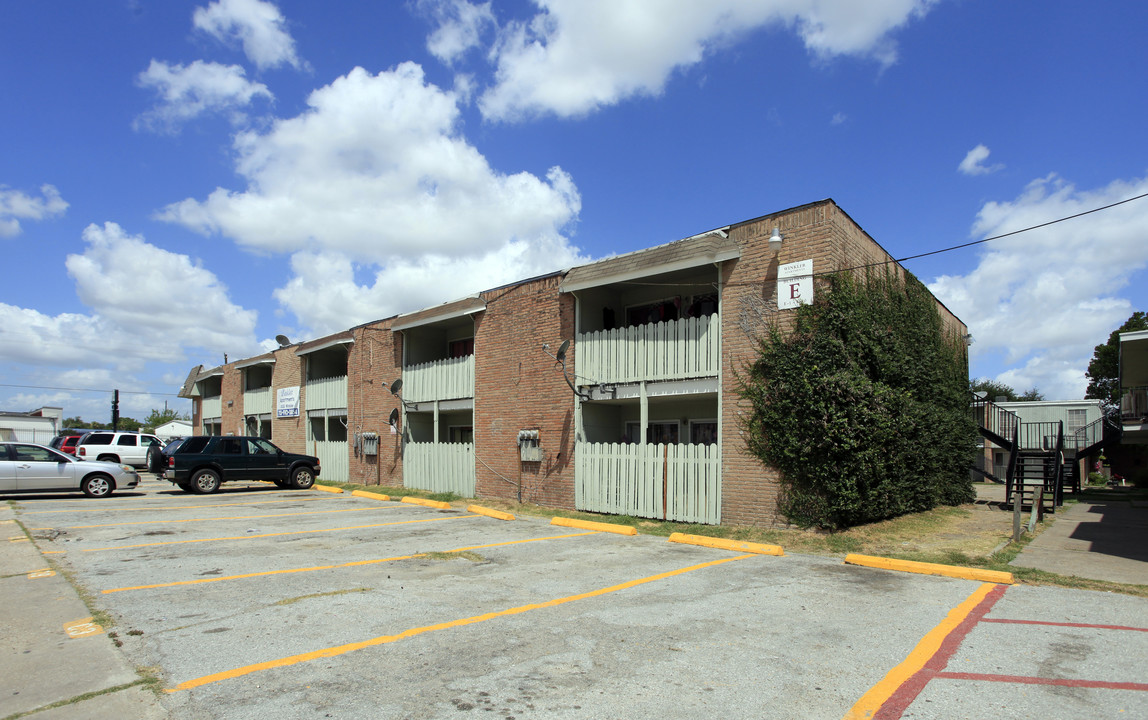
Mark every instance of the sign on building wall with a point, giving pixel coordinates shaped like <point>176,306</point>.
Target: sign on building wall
<point>287,402</point>
<point>794,284</point>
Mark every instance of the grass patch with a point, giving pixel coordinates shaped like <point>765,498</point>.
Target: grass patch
<point>332,593</point>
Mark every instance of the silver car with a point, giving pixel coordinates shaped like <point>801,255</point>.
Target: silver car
<point>27,467</point>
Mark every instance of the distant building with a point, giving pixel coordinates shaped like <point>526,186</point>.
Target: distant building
<point>38,426</point>
<point>174,428</point>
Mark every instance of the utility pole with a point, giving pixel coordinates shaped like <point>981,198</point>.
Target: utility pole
<point>115,410</point>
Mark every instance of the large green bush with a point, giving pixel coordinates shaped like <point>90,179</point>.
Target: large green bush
<point>862,405</point>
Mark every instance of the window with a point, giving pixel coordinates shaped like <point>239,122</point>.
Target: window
<point>703,432</point>
<point>230,446</point>
<point>131,440</point>
<point>460,434</point>
<point>1076,420</point>
<point>461,348</point>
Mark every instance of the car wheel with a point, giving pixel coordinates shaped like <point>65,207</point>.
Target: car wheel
<point>97,486</point>
<point>205,482</point>
<point>302,478</point>
<point>109,458</point>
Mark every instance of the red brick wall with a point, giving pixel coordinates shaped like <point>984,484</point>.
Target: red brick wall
<point>374,362</point>
<point>290,434</point>
<point>821,232</point>
<point>519,387</point>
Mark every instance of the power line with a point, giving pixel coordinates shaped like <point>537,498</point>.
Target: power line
<point>122,392</point>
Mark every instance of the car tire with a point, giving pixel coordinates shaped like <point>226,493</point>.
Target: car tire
<point>97,486</point>
<point>204,482</point>
<point>108,458</point>
<point>302,478</point>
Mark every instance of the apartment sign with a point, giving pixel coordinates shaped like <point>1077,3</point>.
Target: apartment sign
<point>794,284</point>
<point>287,402</point>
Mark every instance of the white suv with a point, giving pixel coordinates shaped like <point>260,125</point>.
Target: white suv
<point>125,448</point>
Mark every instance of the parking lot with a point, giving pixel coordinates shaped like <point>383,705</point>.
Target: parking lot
<point>258,602</point>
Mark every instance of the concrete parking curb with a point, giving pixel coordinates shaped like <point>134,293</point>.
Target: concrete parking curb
<point>427,503</point>
<point>991,576</point>
<point>372,495</point>
<point>326,488</point>
<point>723,544</point>
<point>496,514</point>
<point>597,526</point>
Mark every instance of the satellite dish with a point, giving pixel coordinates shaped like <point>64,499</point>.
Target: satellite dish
<point>561,356</point>
<point>395,387</point>
<point>282,340</point>
<point>980,394</point>
<point>394,418</point>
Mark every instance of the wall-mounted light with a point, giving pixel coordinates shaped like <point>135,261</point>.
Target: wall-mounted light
<point>775,240</point>
<point>969,339</point>
<point>230,403</point>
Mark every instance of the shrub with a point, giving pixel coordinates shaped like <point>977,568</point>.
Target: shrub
<point>863,405</point>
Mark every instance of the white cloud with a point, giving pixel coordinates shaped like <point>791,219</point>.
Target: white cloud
<point>375,179</point>
<point>16,206</point>
<point>1043,299</point>
<point>460,26</point>
<point>974,162</point>
<point>147,305</point>
<point>186,92</point>
<point>576,56</point>
<point>257,25</point>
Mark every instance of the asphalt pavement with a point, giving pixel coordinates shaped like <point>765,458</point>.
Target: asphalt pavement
<point>57,663</point>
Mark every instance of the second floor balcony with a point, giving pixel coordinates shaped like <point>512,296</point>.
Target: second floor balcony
<point>326,393</point>
<point>257,402</point>
<point>670,350</point>
<point>212,407</point>
<point>446,379</point>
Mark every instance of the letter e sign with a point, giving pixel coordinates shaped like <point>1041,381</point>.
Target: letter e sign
<point>794,284</point>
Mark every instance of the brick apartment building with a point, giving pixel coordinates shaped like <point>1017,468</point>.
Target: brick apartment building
<point>641,419</point>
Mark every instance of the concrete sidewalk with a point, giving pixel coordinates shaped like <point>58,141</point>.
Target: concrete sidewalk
<point>50,653</point>
<point>1103,537</point>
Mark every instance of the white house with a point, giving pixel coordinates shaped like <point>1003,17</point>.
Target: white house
<point>173,428</point>
<point>38,426</point>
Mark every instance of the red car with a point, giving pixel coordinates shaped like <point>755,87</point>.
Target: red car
<point>67,444</point>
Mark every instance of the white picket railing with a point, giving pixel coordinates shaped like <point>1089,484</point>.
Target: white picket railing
<point>447,379</point>
<point>671,350</point>
<point>257,402</point>
<point>211,407</point>
<point>327,393</point>
<point>439,467</point>
<point>634,479</point>
<point>334,460</point>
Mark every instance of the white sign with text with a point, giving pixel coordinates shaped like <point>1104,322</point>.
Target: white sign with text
<point>794,284</point>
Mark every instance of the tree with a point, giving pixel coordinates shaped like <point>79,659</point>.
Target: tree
<point>994,389</point>
<point>1104,369</point>
<point>159,417</point>
<point>863,405</point>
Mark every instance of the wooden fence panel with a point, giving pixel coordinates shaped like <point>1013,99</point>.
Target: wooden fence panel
<point>440,467</point>
<point>672,482</point>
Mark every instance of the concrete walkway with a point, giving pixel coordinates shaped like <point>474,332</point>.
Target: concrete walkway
<point>1099,538</point>
<point>49,653</point>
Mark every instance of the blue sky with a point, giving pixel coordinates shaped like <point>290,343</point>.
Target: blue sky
<point>183,180</point>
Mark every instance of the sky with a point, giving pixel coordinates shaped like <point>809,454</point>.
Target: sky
<point>180,181</point>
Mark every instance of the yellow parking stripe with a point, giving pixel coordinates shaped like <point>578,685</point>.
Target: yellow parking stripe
<point>235,517</point>
<point>384,639</point>
<point>171,507</point>
<point>267,535</point>
<point>355,563</point>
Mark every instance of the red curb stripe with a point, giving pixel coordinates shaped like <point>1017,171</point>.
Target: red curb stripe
<point>1066,624</point>
<point>903,697</point>
<point>1059,682</point>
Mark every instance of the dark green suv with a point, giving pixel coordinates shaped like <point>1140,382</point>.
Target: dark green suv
<point>201,463</point>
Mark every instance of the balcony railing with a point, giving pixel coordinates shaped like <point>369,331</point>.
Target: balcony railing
<point>447,379</point>
<point>672,350</point>
<point>327,393</point>
<point>257,402</point>
<point>212,407</point>
<point>1134,404</point>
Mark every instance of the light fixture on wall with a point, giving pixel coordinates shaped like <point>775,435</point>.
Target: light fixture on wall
<point>775,239</point>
